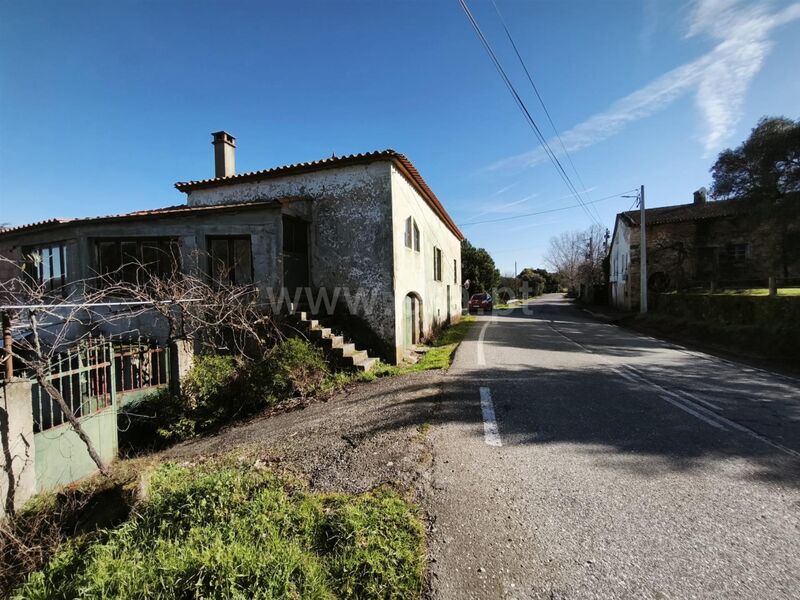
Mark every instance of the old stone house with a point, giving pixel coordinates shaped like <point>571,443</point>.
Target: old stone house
<point>732,243</point>
<point>363,230</point>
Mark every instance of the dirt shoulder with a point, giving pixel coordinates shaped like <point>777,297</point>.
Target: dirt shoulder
<point>364,436</point>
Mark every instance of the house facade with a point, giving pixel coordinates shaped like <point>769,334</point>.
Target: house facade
<point>734,243</point>
<point>360,236</point>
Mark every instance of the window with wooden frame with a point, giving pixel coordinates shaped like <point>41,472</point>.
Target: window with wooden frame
<point>455,271</point>
<point>416,238</point>
<point>230,260</point>
<point>136,260</point>
<point>738,253</point>
<point>408,234</point>
<point>437,264</point>
<point>47,266</point>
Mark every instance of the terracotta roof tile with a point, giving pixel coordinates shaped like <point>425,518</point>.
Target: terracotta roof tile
<point>153,212</point>
<point>400,160</point>
<point>690,212</point>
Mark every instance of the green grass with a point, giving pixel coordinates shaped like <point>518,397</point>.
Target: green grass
<point>751,292</point>
<point>440,351</point>
<point>232,531</point>
<point>439,356</point>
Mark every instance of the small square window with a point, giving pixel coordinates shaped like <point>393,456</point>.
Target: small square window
<point>737,253</point>
<point>231,260</point>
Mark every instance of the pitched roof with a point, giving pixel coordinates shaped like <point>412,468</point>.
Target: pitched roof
<point>690,212</point>
<point>177,210</point>
<point>399,160</point>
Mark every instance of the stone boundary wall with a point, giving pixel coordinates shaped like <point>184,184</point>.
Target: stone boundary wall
<point>17,451</point>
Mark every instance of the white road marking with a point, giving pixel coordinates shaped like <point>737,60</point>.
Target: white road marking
<point>706,415</point>
<point>491,434</point>
<point>481,335</point>
<point>675,403</point>
<point>688,405</point>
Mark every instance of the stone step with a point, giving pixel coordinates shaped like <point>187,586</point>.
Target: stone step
<point>345,353</point>
<point>367,364</point>
<point>355,358</point>
<point>347,349</point>
<point>320,333</point>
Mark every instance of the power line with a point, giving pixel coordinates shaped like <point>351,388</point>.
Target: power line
<point>541,102</point>
<point>526,113</point>
<point>542,212</point>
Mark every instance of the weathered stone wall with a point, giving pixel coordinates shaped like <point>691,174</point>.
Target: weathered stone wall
<point>694,253</point>
<point>350,215</point>
<point>17,451</point>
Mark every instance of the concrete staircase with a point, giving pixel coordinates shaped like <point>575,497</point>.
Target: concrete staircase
<point>343,354</point>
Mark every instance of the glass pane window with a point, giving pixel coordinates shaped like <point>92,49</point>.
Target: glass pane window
<point>47,265</point>
<point>437,264</point>
<point>416,237</point>
<point>231,259</point>
<point>407,232</point>
<point>134,261</point>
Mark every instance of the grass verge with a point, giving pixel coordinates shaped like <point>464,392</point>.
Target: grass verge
<point>748,292</point>
<point>439,354</point>
<point>222,530</point>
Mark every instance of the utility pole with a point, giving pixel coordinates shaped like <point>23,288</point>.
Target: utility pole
<point>642,255</point>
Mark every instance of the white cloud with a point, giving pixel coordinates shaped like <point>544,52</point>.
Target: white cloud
<point>720,78</point>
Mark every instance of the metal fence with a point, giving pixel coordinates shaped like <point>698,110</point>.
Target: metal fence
<point>97,375</point>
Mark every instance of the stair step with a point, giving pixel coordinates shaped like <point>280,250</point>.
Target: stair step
<point>356,357</point>
<point>347,349</point>
<point>337,341</point>
<point>320,333</point>
<point>367,364</point>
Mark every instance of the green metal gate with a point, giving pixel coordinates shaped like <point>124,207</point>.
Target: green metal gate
<point>94,379</point>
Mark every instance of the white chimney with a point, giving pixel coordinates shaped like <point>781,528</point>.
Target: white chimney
<point>224,154</point>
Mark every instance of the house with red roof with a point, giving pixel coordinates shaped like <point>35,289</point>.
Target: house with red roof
<point>361,239</point>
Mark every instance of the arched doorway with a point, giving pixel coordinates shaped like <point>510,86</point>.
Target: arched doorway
<point>412,319</point>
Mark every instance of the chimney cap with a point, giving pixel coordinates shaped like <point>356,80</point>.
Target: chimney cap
<point>223,137</point>
<point>700,196</point>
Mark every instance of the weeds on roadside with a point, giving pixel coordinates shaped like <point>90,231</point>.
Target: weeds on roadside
<point>243,532</point>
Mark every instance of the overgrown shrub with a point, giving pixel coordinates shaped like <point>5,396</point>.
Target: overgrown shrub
<point>297,368</point>
<point>220,388</point>
<point>242,532</point>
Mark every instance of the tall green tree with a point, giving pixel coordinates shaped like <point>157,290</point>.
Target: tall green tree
<point>766,166</point>
<point>478,267</point>
<point>532,282</point>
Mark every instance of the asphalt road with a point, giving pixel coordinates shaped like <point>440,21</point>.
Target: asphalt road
<point>575,459</point>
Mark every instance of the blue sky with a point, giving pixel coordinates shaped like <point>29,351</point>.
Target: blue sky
<point>105,105</point>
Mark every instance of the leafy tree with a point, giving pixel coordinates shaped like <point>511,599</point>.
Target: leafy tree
<point>478,267</point>
<point>765,166</point>
<point>532,282</point>
<point>550,280</point>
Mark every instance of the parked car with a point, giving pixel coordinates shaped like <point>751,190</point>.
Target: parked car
<point>482,301</point>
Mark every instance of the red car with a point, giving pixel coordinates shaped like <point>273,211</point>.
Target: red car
<point>482,301</point>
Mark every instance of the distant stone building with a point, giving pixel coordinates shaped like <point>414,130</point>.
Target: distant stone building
<point>736,243</point>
